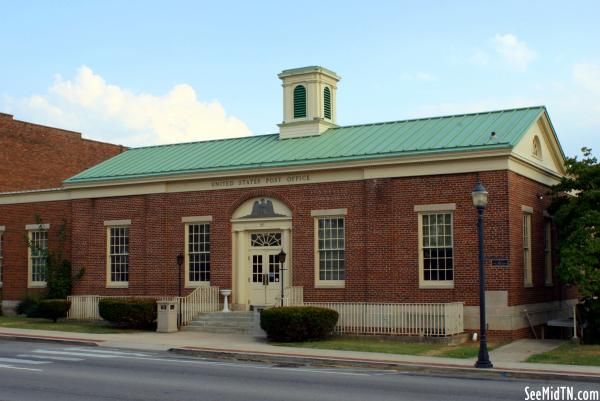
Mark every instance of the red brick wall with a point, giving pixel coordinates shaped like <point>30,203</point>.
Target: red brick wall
<point>14,218</point>
<point>39,157</point>
<point>526,192</point>
<point>381,236</point>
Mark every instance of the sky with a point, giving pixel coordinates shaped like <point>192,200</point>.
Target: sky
<point>150,72</point>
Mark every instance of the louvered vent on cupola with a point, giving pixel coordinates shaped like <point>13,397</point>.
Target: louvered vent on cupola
<point>299,101</point>
<point>327,103</point>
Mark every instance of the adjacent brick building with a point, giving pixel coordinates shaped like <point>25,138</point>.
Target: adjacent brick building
<point>375,213</point>
<point>38,157</point>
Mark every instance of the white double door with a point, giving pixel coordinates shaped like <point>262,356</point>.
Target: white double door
<point>264,276</point>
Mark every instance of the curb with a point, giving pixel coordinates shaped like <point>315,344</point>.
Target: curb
<point>50,339</point>
<point>407,367</point>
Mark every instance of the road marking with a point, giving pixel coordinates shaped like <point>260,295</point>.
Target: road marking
<point>101,351</point>
<point>23,361</point>
<point>54,358</point>
<point>125,355</point>
<point>19,368</point>
<point>44,351</point>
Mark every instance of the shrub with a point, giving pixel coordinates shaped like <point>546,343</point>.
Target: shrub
<point>29,306</point>
<point>133,313</point>
<point>298,323</point>
<point>589,314</point>
<point>54,309</point>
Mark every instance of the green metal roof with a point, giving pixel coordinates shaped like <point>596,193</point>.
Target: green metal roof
<point>457,133</point>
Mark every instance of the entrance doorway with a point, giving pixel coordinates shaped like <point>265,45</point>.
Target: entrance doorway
<point>264,277</point>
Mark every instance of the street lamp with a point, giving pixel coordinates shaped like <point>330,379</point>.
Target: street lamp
<point>480,200</point>
<point>179,259</point>
<point>281,259</point>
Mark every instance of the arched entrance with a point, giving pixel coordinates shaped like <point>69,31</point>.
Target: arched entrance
<point>261,228</point>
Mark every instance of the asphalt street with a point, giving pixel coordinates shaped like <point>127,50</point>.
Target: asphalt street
<point>34,371</point>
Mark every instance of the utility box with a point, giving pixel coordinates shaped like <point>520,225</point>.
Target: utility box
<point>167,317</point>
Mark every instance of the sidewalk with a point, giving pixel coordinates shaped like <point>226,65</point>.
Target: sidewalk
<point>242,347</point>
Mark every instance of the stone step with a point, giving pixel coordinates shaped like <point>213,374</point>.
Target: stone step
<point>225,323</point>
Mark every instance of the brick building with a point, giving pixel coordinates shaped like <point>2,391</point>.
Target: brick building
<point>368,213</point>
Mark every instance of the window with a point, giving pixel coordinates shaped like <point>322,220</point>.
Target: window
<point>1,250</point>
<point>331,258</point>
<point>528,280</point>
<point>118,256</point>
<point>38,257</point>
<point>299,101</point>
<point>327,103</point>
<point>436,253</point>
<point>198,254</point>
<point>536,148</point>
<point>548,252</point>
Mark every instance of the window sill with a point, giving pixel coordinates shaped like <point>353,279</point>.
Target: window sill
<point>36,285</point>
<point>528,286</point>
<point>434,286</point>
<point>549,284</point>
<point>324,284</point>
<point>117,285</point>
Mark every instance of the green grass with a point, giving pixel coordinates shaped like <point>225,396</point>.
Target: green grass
<point>467,350</point>
<point>570,354</point>
<point>100,327</point>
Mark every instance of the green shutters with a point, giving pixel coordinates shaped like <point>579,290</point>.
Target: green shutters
<point>327,103</point>
<point>299,101</point>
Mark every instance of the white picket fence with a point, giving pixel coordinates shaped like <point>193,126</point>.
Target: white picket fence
<point>85,307</point>
<point>424,319</point>
<point>293,296</point>
<point>202,299</point>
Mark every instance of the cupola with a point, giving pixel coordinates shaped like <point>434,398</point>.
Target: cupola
<point>308,101</point>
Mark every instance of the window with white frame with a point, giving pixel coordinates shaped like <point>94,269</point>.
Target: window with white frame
<point>1,251</point>
<point>38,257</point>
<point>331,254</point>
<point>548,252</point>
<point>198,253</point>
<point>436,254</point>
<point>527,272</point>
<point>118,255</point>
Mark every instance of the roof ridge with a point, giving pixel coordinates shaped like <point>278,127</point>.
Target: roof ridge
<point>202,141</point>
<point>442,116</point>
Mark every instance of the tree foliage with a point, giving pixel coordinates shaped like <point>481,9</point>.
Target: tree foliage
<point>576,210</point>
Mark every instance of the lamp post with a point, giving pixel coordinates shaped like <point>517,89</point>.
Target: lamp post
<point>480,200</point>
<point>281,259</point>
<point>179,259</point>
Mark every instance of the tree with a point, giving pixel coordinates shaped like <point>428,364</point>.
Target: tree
<point>59,274</point>
<point>576,211</point>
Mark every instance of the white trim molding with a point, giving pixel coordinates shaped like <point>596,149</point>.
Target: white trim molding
<point>33,227</point>
<point>2,229</point>
<point>329,212</point>
<point>436,207</point>
<point>114,223</point>
<point>526,209</point>
<point>197,219</point>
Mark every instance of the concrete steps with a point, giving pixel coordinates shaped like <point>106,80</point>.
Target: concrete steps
<point>224,323</point>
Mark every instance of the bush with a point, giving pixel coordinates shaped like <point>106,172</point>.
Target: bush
<point>589,314</point>
<point>29,306</point>
<point>133,313</point>
<point>298,323</point>
<point>54,309</point>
